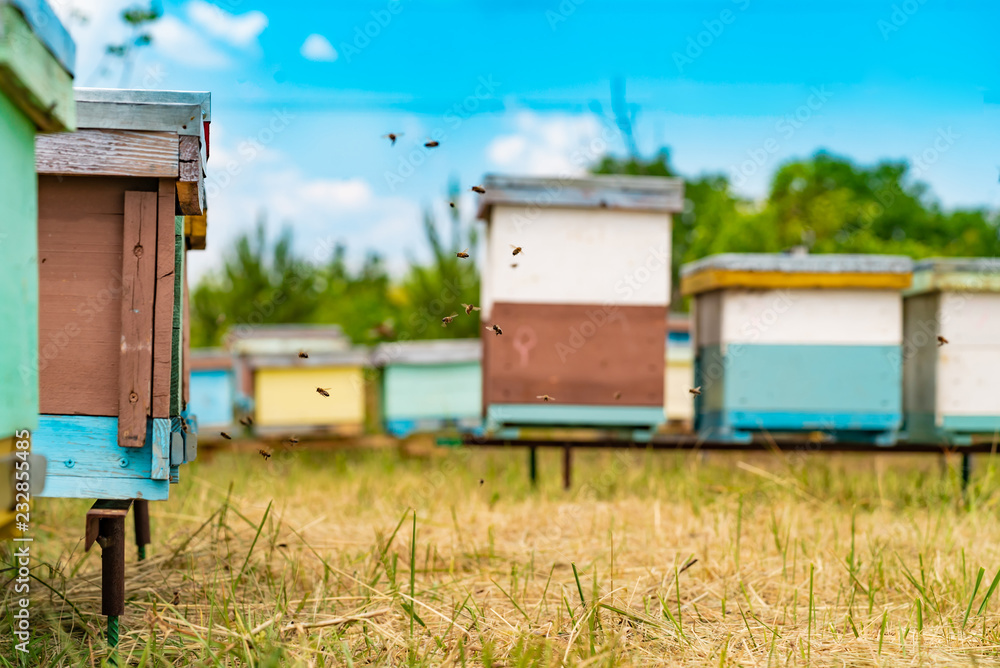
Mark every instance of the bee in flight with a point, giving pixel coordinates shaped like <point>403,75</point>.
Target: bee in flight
<point>265,454</point>
<point>696,391</point>
<point>303,355</point>
<point>617,395</point>
<point>246,421</point>
<point>517,249</point>
<point>545,397</point>
<point>464,253</point>
<point>393,136</point>
<point>479,189</point>
<point>513,265</point>
<point>323,391</point>
<point>431,144</point>
<point>226,436</point>
<point>445,321</point>
<point>941,341</point>
<point>469,308</point>
<point>293,441</point>
<point>495,329</point>
<point>451,204</point>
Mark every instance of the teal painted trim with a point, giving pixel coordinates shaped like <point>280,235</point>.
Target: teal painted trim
<point>796,421</point>
<point>175,475</point>
<point>161,449</point>
<point>87,446</point>
<point>404,428</point>
<point>823,379</point>
<point>19,272</point>
<point>432,391</point>
<point>975,424</point>
<point>556,414</point>
<point>72,487</point>
<point>212,395</point>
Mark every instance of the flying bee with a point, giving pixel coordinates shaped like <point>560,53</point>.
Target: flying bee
<point>246,421</point>
<point>431,144</point>
<point>226,436</point>
<point>451,204</point>
<point>517,249</point>
<point>303,355</point>
<point>445,321</point>
<point>545,397</point>
<point>513,265</point>
<point>941,341</point>
<point>265,454</point>
<point>617,395</point>
<point>393,136</point>
<point>695,390</point>
<point>323,391</point>
<point>479,189</point>
<point>293,441</point>
<point>481,481</point>
<point>469,308</point>
<point>495,329</point>
<point>464,253</point>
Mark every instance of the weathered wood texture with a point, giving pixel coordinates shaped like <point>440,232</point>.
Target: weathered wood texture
<point>138,288</point>
<point>177,333</point>
<point>578,354</point>
<point>160,468</point>
<point>163,311</point>
<point>108,153</point>
<point>186,345</point>
<point>101,510</point>
<point>191,185</point>
<point>80,237</point>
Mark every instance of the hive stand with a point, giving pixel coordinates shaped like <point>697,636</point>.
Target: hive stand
<point>106,526</point>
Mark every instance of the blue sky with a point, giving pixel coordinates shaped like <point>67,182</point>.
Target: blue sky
<point>302,93</point>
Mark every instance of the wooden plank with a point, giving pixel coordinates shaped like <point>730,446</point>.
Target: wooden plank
<point>70,487</point>
<point>160,466</point>
<point>80,236</point>
<point>191,197</point>
<point>184,119</point>
<point>108,153</point>
<point>163,310</point>
<point>177,333</point>
<point>138,286</point>
<point>83,445</point>
<point>186,345</point>
<point>717,279</point>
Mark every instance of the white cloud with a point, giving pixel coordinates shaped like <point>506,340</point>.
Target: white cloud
<point>549,145</point>
<point>176,40</point>
<point>318,48</point>
<point>239,31</point>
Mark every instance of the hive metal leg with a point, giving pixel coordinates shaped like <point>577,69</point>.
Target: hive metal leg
<point>106,527</point>
<point>533,465</point>
<point>141,516</point>
<point>567,466</point>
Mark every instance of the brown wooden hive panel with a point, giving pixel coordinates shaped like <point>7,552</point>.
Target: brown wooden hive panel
<point>80,236</point>
<point>578,354</point>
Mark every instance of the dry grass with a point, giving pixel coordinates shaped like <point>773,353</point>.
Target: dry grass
<point>314,559</point>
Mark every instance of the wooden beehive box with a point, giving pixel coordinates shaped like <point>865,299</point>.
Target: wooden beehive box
<point>952,390</point>
<point>428,386</point>
<point>584,312</point>
<point>36,96</point>
<point>213,389</point>
<point>283,385</point>
<point>680,372</point>
<point>112,200</point>
<point>788,343</point>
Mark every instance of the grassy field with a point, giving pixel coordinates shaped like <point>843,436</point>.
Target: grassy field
<point>369,557</point>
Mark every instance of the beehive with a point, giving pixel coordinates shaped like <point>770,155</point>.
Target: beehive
<point>789,343</point>
<point>584,311</point>
<point>952,390</point>
<point>679,373</point>
<point>112,200</point>
<point>213,389</point>
<point>428,386</point>
<point>283,385</point>
<point>36,96</point>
